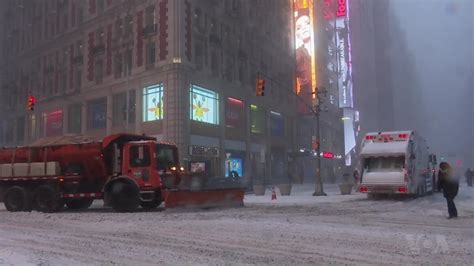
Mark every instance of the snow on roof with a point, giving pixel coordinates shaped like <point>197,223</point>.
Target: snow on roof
<point>62,140</point>
<point>391,132</point>
<point>384,148</point>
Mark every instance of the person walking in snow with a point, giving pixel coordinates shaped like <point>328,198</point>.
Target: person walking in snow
<point>469,173</point>
<point>450,186</point>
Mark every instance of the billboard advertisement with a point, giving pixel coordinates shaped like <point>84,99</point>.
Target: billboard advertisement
<point>152,103</point>
<point>54,123</point>
<point>305,54</point>
<point>336,14</point>
<point>204,105</point>
<point>234,113</point>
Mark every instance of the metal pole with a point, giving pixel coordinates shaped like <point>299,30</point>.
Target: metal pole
<point>318,188</point>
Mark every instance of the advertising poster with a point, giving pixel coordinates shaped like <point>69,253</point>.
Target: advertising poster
<point>233,167</point>
<point>305,55</point>
<point>234,113</point>
<point>54,123</point>
<point>204,105</point>
<point>153,103</point>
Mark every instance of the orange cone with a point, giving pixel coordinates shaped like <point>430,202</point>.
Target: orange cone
<point>274,194</point>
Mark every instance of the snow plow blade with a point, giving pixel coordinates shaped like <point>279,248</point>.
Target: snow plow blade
<point>204,198</point>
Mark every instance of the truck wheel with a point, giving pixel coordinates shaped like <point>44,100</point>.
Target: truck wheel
<point>47,199</point>
<point>17,199</point>
<point>124,197</point>
<point>78,204</point>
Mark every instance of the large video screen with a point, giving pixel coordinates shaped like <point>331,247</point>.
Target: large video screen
<point>305,55</point>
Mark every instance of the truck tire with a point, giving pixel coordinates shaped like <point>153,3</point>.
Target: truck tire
<point>17,199</point>
<point>78,204</point>
<point>124,197</point>
<point>46,199</point>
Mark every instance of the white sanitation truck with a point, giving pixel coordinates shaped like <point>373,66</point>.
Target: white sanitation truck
<point>395,163</point>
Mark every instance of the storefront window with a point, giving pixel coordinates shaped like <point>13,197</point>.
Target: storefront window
<point>234,113</point>
<point>204,105</point>
<point>75,118</point>
<point>277,124</point>
<point>121,112</point>
<point>257,119</point>
<point>97,113</point>
<point>153,103</point>
<point>54,123</point>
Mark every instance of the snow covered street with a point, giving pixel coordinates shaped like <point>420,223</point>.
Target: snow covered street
<point>295,230</point>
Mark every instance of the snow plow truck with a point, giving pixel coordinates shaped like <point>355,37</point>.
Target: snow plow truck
<point>126,171</point>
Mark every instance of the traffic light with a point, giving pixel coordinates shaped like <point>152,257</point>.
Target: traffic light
<point>260,89</point>
<point>31,103</point>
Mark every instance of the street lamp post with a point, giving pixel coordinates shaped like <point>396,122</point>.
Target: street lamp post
<point>318,188</point>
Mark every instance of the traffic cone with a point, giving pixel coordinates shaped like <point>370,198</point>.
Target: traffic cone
<point>274,194</point>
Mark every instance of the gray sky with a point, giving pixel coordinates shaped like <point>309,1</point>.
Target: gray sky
<point>438,33</point>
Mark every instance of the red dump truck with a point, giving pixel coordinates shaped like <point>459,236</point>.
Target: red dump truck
<point>126,171</point>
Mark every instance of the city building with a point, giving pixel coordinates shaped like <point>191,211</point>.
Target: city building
<point>183,71</point>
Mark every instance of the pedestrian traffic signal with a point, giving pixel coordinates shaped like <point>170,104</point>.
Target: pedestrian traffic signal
<point>260,89</point>
<point>31,103</point>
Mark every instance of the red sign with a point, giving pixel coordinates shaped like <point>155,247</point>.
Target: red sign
<point>341,8</point>
<point>328,155</point>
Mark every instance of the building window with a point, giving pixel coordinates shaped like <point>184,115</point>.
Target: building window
<point>121,110</point>
<point>78,79</point>
<point>150,53</point>
<point>54,123</point>
<point>127,27</point>
<point>118,65</point>
<point>20,129</point>
<point>257,119</point>
<point>234,113</point>
<point>99,70</point>
<point>118,28</point>
<point>101,5</point>
<point>153,103</point>
<point>74,114</point>
<point>150,16</point>
<point>204,105</point>
<point>127,62</point>
<point>97,113</point>
<point>277,124</point>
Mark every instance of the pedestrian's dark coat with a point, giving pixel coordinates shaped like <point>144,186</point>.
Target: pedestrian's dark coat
<point>447,181</point>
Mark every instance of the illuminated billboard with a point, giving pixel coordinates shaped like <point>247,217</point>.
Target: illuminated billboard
<point>336,13</point>
<point>204,105</point>
<point>153,103</point>
<point>305,54</point>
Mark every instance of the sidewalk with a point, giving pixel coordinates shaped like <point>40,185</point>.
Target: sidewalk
<point>302,194</point>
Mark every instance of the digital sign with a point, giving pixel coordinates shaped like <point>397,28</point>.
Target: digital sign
<point>233,166</point>
<point>234,113</point>
<point>204,105</point>
<point>305,54</point>
<point>153,103</point>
